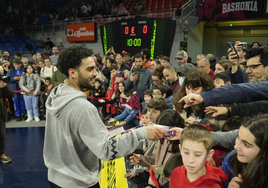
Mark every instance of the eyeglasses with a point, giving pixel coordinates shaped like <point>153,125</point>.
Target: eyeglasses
<point>157,93</point>
<point>252,66</point>
<point>201,67</point>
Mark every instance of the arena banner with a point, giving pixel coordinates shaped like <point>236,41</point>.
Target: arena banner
<point>230,9</point>
<point>82,32</point>
<point>112,173</point>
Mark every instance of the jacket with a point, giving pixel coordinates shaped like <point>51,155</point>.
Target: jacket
<point>76,138</point>
<point>158,154</point>
<point>214,178</point>
<point>5,92</point>
<point>37,83</point>
<point>142,83</point>
<point>251,108</point>
<point>226,169</point>
<point>57,78</point>
<point>236,93</point>
<point>14,84</point>
<point>225,139</point>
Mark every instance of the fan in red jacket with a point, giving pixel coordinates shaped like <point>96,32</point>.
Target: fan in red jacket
<point>196,150</point>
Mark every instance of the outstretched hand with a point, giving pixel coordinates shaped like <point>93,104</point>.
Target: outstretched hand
<point>216,111</point>
<point>155,133</point>
<point>191,99</point>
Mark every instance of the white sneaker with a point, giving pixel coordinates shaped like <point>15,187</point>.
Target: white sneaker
<point>37,119</point>
<point>29,119</point>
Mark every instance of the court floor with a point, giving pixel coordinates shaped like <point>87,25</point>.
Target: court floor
<point>24,145</point>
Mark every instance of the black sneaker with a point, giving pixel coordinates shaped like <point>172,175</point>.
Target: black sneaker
<point>4,159</point>
<point>18,118</point>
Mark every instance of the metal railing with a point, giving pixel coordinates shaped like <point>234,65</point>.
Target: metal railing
<point>188,9</point>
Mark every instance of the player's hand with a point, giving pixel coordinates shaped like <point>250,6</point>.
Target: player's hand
<point>155,133</point>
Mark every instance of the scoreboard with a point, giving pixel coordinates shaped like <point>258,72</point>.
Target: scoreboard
<point>132,35</point>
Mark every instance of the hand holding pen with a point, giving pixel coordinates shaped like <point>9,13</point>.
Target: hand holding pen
<point>236,180</point>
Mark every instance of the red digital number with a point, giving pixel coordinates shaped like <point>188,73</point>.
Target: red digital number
<point>126,30</point>
<point>132,30</point>
<point>145,29</point>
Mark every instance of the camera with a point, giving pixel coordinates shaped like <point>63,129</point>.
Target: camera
<point>4,78</point>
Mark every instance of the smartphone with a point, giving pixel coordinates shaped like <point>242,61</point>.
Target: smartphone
<point>171,133</point>
<point>230,45</point>
<point>133,71</point>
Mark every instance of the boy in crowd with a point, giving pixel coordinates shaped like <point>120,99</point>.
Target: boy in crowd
<point>24,60</point>
<point>144,118</point>
<point>196,150</point>
<point>132,109</point>
<point>163,91</point>
<point>148,95</point>
<point>221,79</point>
<point>126,73</point>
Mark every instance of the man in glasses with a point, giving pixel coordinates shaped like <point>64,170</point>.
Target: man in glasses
<point>257,61</point>
<point>256,65</point>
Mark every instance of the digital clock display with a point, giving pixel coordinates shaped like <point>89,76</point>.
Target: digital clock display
<point>132,35</point>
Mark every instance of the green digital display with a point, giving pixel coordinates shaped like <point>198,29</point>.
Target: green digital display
<point>134,42</point>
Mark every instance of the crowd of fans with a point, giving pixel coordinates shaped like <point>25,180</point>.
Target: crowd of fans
<point>137,92</point>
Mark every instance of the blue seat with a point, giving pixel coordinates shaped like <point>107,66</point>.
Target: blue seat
<point>13,40</point>
<point>40,50</point>
<point>1,44</point>
<point>34,46</point>
<point>4,40</point>
<point>23,48</point>
<point>28,41</point>
<point>11,51</point>
<point>7,45</point>
<point>16,46</point>
<point>21,41</point>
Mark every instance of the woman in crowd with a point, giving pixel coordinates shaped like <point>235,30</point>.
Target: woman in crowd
<point>247,165</point>
<point>155,64</point>
<point>196,81</point>
<point>30,83</point>
<point>48,70</point>
<point>6,65</point>
<point>222,65</point>
<point>60,46</point>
